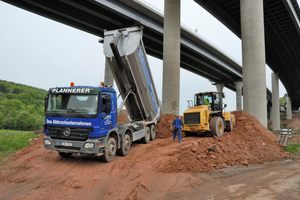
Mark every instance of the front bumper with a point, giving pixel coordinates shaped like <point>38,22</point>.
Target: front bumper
<point>196,128</point>
<point>77,147</point>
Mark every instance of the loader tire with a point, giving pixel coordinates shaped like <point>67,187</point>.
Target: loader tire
<point>229,126</point>
<point>146,139</point>
<point>152,132</point>
<point>125,146</point>
<point>187,134</point>
<point>217,126</point>
<point>110,150</point>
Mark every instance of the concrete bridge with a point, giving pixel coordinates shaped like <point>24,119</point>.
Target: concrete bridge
<point>197,55</point>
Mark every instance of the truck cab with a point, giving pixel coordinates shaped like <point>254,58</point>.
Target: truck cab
<point>79,118</point>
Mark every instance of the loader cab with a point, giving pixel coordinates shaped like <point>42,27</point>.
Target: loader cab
<point>208,98</point>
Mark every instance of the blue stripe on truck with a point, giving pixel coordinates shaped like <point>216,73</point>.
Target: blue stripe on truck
<point>147,75</point>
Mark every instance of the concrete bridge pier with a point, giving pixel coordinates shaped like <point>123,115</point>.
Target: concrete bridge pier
<point>171,58</point>
<point>220,87</point>
<point>238,88</point>
<point>275,112</point>
<point>108,76</point>
<point>288,108</point>
<point>253,54</point>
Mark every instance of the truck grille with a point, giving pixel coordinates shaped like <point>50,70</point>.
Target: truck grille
<point>192,118</point>
<point>80,134</point>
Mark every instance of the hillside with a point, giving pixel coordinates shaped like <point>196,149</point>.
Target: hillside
<point>21,106</point>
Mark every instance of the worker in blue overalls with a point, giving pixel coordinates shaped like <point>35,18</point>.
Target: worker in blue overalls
<point>177,129</point>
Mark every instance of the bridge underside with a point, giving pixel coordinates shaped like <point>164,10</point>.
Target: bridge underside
<point>282,39</point>
<point>93,16</point>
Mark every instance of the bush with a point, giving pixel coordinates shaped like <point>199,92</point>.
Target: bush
<point>14,140</point>
<point>292,148</point>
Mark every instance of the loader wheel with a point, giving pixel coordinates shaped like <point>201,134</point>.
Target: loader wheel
<point>125,146</point>
<point>187,134</point>
<point>152,132</point>
<point>229,126</point>
<point>146,139</point>
<point>65,155</point>
<point>110,150</point>
<point>217,126</point>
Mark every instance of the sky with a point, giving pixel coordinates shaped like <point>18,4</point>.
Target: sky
<point>43,53</point>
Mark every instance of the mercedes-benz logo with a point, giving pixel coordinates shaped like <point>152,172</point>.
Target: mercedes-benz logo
<point>67,132</point>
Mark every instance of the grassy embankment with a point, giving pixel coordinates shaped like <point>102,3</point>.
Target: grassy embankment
<point>292,148</point>
<point>11,141</point>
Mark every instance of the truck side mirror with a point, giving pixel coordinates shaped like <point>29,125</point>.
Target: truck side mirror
<point>46,101</point>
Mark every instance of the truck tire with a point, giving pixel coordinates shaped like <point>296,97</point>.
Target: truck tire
<point>110,150</point>
<point>125,146</point>
<point>229,126</point>
<point>65,155</point>
<point>152,132</point>
<point>217,126</point>
<point>146,139</point>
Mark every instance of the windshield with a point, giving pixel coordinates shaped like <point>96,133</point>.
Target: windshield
<point>205,99</point>
<point>75,105</point>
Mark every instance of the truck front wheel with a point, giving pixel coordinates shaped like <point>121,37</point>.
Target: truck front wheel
<point>217,126</point>
<point>110,150</point>
<point>125,146</point>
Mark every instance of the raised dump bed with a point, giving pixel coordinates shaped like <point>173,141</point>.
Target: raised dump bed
<point>125,53</point>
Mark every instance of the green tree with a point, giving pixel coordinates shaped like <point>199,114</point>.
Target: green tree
<point>10,119</point>
<point>25,98</point>
<point>11,104</point>
<point>2,119</point>
<point>24,121</point>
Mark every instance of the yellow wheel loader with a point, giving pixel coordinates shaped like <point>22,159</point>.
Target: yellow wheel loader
<point>207,116</point>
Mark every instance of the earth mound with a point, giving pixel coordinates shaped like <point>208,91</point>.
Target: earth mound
<point>248,143</point>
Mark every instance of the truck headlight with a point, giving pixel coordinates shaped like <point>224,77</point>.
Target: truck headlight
<point>89,145</point>
<point>47,142</point>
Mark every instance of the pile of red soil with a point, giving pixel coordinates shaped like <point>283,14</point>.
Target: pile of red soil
<point>248,143</point>
<point>163,127</point>
<point>293,123</point>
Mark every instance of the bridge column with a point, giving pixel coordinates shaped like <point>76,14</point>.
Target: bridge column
<point>220,87</point>
<point>275,112</point>
<point>253,54</point>
<point>108,76</point>
<point>288,108</point>
<point>171,58</point>
<point>238,88</point>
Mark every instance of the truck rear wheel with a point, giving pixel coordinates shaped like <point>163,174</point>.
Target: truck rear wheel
<point>229,126</point>
<point>125,146</point>
<point>146,139</point>
<point>152,132</point>
<point>65,155</point>
<point>110,150</point>
<point>217,126</point>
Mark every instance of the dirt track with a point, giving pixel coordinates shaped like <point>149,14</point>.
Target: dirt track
<point>162,169</point>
